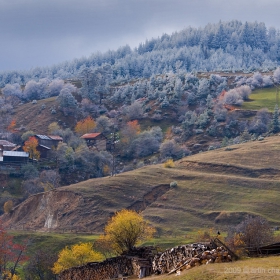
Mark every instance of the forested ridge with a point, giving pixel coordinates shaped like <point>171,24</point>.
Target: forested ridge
<point>228,46</point>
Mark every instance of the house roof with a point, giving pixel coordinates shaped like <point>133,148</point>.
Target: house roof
<point>7,143</point>
<point>55,137</point>
<point>15,154</point>
<point>45,147</point>
<point>90,135</point>
<point>43,137</point>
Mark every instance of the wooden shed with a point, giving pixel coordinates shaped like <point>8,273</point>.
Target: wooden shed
<point>48,140</point>
<point>44,150</point>
<point>55,140</point>
<point>96,141</point>
<point>15,156</point>
<point>6,145</point>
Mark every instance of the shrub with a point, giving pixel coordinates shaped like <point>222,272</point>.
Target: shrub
<point>169,164</point>
<point>76,255</point>
<point>8,206</point>
<point>173,184</point>
<point>25,136</point>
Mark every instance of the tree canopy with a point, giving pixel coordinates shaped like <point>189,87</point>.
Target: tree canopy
<point>127,228</point>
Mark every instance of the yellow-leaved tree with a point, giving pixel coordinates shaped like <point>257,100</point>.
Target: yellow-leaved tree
<point>126,229</point>
<point>85,126</point>
<point>76,255</point>
<point>30,146</point>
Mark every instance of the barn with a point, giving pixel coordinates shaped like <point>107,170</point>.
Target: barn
<point>15,157</point>
<point>95,141</point>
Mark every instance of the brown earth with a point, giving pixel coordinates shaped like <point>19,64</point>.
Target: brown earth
<point>32,117</point>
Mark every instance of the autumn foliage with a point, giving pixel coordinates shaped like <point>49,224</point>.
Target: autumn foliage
<point>76,255</point>
<point>30,146</point>
<point>85,126</point>
<point>11,254</point>
<point>8,206</point>
<point>12,126</point>
<point>134,125</point>
<point>130,131</point>
<point>169,163</point>
<point>126,229</point>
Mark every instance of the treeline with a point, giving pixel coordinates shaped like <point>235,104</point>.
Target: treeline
<point>228,46</point>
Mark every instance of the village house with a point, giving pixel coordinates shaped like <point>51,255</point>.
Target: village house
<point>95,141</point>
<point>6,145</point>
<point>46,143</point>
<point>49,141</point>
<point>14,157</point>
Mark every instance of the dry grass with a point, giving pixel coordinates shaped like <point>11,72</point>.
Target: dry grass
<point>249,269</point>
<point>242,181</point>
<point>31,116</point>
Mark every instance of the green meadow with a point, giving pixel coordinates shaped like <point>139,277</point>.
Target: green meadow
<point>261,98</point>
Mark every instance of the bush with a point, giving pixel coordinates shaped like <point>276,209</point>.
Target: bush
<point>8,206</point>
<point>169,164</point>
<point>25,136</point>
<point>29,171</point>
<point>76,255</point>
<point>173,184</point>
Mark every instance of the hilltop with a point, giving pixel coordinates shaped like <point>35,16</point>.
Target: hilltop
<point>215,189</point>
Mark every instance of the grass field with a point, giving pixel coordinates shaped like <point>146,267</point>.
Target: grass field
<point>53,242</point>
<point>261,98</point>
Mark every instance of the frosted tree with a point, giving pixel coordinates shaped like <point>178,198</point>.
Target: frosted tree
<point>276,75</point>
<point>36,90</point>
<point>55,87</point>
<point>66,100</point>
<point>12,90</point>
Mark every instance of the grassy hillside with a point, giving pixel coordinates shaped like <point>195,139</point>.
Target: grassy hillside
<point>215,189</point>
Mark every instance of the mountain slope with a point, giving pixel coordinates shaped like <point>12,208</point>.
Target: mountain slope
<point>215,189</point>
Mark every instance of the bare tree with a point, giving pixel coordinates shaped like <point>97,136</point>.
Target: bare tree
<point>255,232</point>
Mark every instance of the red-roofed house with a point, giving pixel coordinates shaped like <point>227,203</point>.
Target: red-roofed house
<point>95,140</point>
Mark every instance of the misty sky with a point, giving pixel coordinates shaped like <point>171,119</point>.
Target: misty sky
<point>47,32</point>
